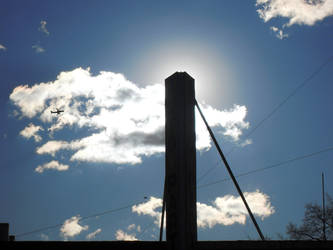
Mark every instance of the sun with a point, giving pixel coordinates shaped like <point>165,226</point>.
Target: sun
<point>211,74</point>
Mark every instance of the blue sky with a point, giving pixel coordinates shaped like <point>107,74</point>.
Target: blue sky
<point>104,63</point>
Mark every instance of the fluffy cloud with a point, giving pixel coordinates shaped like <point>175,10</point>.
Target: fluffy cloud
<point>2,47</point>
<point>71,227</point>
<point>32,131</point>
<point>121,235</point>
<point>93,234</point>
<point>226,210</point>
<point>150,208</point>
<point>43,28</point>
<point>300,12</point>
<point>38,48</point>
<point>229,209</point>
<point>51,165</point>
<point>121,122</point>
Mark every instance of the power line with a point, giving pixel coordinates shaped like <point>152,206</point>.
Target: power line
<point>270,166</point>
<point>270,114</point>
<point>199,187</point>
<point>83,218</point>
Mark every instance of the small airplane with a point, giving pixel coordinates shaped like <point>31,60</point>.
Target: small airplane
<point>57,112</point>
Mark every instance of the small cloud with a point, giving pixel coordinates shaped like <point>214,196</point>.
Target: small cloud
<point>32,131</point>
<point>246,142</point>
<point>93,234</point>
<point>44,237</point>
<point>51,147</point>
<point>2,47</point>
<point>149,208</point>
<point>72,228</point>
<point>51,165</point>
<point>228,210</point>
<point>121,235</point>
<point>134,227</point>
<point>38,48</point>
<point>43,28</point>
<point>279,33</point>
<point>131,227</point>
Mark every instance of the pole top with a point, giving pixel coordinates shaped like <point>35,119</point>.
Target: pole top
<point>178,75</point>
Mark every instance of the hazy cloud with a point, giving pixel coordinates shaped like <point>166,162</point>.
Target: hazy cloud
<point>121,235</point>
<point>54,165</point>
<point>43,28</point>
<point>2,47</point>
<point>278,33</point>
<point>124,122</point>
<point>32,131</point>
<point>71,227</point>
<point>225,210</point>
<point>44,237</point>
<point>38,48</point>
<point>93,234</point>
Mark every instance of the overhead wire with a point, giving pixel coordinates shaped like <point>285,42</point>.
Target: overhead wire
<point>270,166</point>
<point>270,114</point>
<point>199,187</point>
<point>83,218</point>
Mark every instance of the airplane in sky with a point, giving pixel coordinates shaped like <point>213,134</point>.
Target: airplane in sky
<point>57,112</point>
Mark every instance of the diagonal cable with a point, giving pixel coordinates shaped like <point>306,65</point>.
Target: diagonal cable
<point>230,173</point>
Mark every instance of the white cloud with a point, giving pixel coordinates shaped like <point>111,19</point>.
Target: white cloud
<point>226,210</point>
<point>93,234</point>
<point>125,122</point>
<point>2,47</point>
<point>51,165</point>
<point>43,28</point>
<point>301,12</point>
<point>71,227</point>
<point>38,48</point>
<point>121,235</point>
<point>131,227</point>
<point>297,12</point>
<point>32,131</point>
<point>279,32</point>
<point>149,208</point>
<point>229,209</point>
<point>51,147</point>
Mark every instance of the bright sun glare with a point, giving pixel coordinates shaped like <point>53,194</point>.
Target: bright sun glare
<point>209,71</point>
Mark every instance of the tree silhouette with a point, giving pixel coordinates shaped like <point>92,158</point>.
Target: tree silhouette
<point>316,224</point>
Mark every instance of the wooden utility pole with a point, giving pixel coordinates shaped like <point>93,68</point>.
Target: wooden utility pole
<point>180,169</point>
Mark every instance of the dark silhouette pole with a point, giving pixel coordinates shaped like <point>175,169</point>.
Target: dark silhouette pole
<point>324,212</point>
<point>180,169</point>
